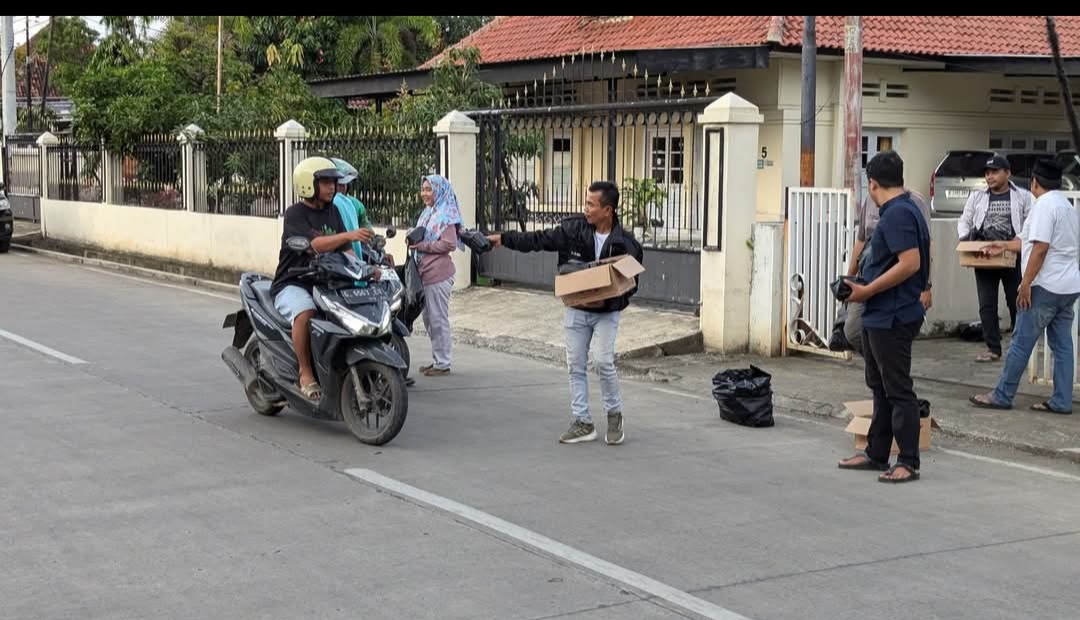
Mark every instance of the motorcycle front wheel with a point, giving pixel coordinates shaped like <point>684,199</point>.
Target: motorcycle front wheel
<point>374,402</point>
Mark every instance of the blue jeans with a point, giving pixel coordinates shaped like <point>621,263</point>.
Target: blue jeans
<point>597,329</point>
<point>1053,313</point>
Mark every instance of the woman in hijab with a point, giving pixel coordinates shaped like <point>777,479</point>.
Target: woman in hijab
<point>441,220</point>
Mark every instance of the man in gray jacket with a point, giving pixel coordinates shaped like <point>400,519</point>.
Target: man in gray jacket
<point>996,213</point>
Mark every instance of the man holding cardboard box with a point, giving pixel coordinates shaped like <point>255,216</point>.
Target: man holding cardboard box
<point>598,264</point>
<point>897,273</point>
<point>996,213</point>
<point>1050,255</point>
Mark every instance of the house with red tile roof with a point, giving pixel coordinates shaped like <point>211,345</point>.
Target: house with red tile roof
<point>930,84</point>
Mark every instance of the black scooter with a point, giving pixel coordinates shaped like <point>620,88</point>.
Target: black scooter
<point>361,374</point>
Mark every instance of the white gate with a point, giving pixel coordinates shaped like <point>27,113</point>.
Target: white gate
<point>820,233</point>
<point>1041,364</point>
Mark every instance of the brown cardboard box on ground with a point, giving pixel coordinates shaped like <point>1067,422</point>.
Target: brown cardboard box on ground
<point>863,410</point>
<point>612,277</point>
<point>971,256</point>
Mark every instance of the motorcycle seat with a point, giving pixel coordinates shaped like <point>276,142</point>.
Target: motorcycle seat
<point>266,301</point>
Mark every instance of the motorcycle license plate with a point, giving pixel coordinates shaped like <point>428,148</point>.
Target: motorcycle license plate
<point>367,295</point>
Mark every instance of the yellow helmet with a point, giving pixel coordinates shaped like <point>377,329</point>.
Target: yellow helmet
<point>307,171</point>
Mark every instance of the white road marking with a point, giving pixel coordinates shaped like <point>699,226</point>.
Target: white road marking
<point>1030,468</point>
<point>643,585</point>
<point>40,348</point>
<point>162,284</point>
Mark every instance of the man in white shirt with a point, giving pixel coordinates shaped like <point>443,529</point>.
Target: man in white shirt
<point>1050,261</point>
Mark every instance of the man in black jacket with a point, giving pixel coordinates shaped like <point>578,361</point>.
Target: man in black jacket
<point>586,238</point>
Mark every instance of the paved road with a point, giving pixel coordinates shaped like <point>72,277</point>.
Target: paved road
<point>136,483</point>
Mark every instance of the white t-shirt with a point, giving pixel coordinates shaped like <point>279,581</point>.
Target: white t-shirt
<point>1053,220</point>
<point>600,240</point>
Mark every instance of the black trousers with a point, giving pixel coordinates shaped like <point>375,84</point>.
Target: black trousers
<point>896,409</point>
<point>987,282</point>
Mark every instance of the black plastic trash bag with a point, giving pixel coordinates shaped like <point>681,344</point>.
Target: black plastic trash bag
<point>924,408</point>
<point>745,396</point>
<point>413,303</point>
<point>838,340</point>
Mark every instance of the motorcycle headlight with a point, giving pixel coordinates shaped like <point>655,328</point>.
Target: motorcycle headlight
<point>352,321</point>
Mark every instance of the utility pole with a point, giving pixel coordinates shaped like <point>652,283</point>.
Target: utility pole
<point>1063,80</point>
<point>853,72</point>
<point>45,82</point>
<point>7,62</point>
<point>29,75</point>
<point>220,21</point>
<point>809,102</point>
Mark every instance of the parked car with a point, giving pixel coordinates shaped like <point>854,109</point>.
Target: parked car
<point>961,171</point>
<point>7,221</point>
<point>1070,168</point>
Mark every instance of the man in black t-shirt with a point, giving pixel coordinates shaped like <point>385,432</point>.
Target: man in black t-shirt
<point>316,219</point>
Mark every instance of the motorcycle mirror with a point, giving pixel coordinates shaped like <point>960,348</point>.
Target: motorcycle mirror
<point>391,232</point>
<point>298,244</point>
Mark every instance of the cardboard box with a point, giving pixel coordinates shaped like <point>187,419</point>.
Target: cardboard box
<point>971,256</point>
<point>611,277</point>
<point>861,413</point>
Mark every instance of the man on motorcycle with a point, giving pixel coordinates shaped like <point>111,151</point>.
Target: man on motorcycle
<point>315,182</point>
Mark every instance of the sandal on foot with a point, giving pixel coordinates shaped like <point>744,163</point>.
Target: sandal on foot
<point>1046,408</point>
<point>311,391</point>
<point>983,401</point>
<point>887,478</point>
<point>986,358</point>
<point>866,464</point>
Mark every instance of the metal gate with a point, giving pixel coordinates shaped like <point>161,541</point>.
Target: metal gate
<point>22,176</point>
<point>820,233</point>
<point>534,167</point>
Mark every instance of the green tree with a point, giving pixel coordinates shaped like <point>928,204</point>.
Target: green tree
<point>68,43</point>
<point>376,43</point>
<point>457,27</point>
<point>126,40</point>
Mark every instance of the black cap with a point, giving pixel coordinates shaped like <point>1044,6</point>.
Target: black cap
<point>997,162</point>
<point>1047,169</point>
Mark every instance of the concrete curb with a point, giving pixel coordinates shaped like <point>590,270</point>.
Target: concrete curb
<point>142,272</point>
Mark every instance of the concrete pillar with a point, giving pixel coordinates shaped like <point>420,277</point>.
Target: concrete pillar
<point>288,134</point>
<point>767,290</point>
<point>192,169</point>
<point>730,128</point>
<point>44,141</point>
<point>457,136</point>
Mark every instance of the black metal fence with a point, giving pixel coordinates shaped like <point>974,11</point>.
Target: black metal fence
<point>390,162</point>
<point>150,174</point>
<point>75,172</point>
<point>535,165</point>
<point>237,174</point>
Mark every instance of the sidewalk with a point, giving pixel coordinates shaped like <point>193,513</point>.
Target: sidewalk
<point>529,323</point>
<point>944,375</point>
